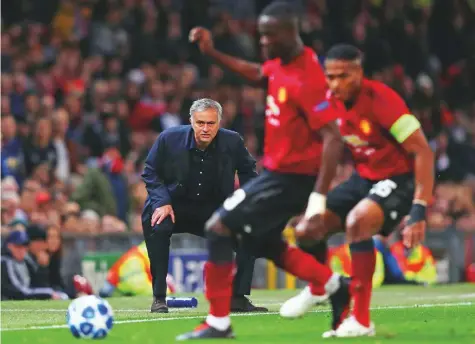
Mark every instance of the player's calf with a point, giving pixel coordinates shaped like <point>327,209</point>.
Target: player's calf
<point>318,249</point>
<point>362,223</point>
<point>219,274</point>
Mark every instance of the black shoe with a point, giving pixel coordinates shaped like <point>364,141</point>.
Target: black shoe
<point>204,331</point>
<point>159,306</point>
<point>241,304</point>
<point>340,302</point>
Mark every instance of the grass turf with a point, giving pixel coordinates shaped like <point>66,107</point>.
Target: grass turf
<point>405,314</point>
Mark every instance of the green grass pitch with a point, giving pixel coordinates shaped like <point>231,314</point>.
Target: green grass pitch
<point>403,314</point>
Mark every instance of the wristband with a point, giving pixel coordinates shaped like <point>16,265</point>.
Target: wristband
<point>316,204</point>
<point>417,213</point>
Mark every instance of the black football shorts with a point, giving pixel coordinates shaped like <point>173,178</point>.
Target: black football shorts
<point>394,195</point>
<point>266,203</point>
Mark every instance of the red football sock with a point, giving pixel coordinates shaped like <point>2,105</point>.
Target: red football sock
<point>363,262</point>
<point>219,287</point>
<point>316,289</point>
<point>305,267</point>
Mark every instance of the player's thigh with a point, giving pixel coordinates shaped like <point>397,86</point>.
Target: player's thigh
<point>341,200</point>
<point>394,197</point>
<point>265,203</point>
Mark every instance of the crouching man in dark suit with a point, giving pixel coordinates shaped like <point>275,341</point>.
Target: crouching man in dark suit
<point>188,173</point>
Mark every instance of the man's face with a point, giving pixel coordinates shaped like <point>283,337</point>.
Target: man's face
<point>43,129</point>
<point>28,195</point>
<point>8,128</point>
<point>275,38</point>
<point>205,125</point>
<point>37,245</point>
<point>18,251</point>
<point>343,78</point>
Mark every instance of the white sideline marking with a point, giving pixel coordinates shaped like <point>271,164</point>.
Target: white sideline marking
<point>443,297</point>
<point>255,301</point>
<point>429,305</point>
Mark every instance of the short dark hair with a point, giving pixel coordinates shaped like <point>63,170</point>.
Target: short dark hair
<point>281,10</point>
<point>345,52</point>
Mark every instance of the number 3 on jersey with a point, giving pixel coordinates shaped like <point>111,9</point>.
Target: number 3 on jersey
<point>383,188</point>
<point>272,111</point>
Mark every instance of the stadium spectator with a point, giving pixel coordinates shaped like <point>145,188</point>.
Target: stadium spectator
<point>39,258</point>
<point>54,249</point>
<point>12,150</point>
<point>16,276</point>
<point>66,149</point>
<point>39,148</point>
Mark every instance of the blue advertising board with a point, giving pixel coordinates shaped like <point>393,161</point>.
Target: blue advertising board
<point>187,267</point>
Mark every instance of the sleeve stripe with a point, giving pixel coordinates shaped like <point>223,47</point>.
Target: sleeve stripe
<point>406,125</point>
<point>23,289</point>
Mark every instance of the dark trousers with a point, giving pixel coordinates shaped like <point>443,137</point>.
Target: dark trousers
<point>189,218</point>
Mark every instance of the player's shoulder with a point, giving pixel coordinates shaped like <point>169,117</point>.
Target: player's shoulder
<point>229,135</point>
<point>379,91</point>
<point>269,66</point>
<point>313,71</point>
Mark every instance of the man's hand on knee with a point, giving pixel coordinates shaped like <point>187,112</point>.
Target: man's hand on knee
<point>161,213</point>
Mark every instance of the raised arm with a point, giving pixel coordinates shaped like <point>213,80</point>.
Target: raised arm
<point>249,70</point>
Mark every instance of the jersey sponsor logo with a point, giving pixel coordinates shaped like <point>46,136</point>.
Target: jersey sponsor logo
<point>355,141</point>
<point>272,111</point>
<point>321,106</point>
<point>365,127</point>
<point>282,95</point>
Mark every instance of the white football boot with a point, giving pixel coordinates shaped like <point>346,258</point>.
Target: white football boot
<point>350,327</point>
<point>301,303</point>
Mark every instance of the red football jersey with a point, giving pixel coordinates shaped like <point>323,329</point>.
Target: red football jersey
<point>296,108</point>
<point>374,128</point>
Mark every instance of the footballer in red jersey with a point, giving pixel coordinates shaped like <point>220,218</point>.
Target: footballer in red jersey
<point>302,142</point>
<point>393,178</point>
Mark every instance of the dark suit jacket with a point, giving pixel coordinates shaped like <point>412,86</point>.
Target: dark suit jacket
<point>168,165</point>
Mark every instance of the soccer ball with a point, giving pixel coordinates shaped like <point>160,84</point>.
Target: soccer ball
<point>90,317</point>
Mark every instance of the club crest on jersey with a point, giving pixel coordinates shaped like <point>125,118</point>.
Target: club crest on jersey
<point>282,95</point>
<point>355,141</point>
<point>365,126</point>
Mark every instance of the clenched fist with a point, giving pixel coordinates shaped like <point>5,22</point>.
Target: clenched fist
<point>203,37</point>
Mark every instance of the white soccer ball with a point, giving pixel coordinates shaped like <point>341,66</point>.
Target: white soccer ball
<point>90,317</point>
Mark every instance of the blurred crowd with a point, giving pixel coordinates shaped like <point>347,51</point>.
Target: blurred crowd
<point>88,85</point>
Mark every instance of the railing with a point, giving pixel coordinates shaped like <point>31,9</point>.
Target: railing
<point>92,255</point>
